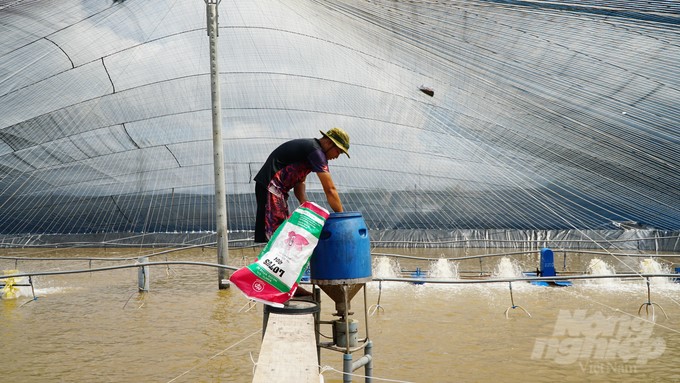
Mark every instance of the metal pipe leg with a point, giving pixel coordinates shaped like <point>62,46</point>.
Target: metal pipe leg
<point>368,350</point>
<point>347,368</point>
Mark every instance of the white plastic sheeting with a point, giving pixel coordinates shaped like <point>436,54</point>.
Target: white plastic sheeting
<point>545,114</point>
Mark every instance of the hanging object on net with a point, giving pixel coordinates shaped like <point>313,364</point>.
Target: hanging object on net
<point>427,90</point>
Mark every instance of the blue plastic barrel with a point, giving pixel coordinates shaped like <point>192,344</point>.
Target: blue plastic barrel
<point>343,254</point>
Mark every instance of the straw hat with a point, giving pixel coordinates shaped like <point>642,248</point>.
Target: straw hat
<point>339,137</point>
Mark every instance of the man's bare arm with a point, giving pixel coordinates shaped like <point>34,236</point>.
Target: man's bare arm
<point>300,192</point>
<point>331,193</point>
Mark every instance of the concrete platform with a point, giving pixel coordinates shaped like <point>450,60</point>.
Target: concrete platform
<point>288,353</point>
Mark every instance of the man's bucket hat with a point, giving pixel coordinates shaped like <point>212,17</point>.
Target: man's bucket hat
<point>339,137</point>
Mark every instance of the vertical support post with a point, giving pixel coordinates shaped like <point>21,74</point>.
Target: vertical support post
<point>143,274</point>
<point>345,316</point>
<point>265,319</point>
<point>218,149</point>
<point>347,356</point>
<point>347,367</point>
<point>30,282</point>
<point>366,311</point>
<point>656,243</point>
<point>316,291</point>
<point>368,350</point>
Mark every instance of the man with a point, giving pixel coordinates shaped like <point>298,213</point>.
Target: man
<point>287,168</point>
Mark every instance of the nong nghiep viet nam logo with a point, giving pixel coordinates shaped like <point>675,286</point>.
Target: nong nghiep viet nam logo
<point>579,337</point>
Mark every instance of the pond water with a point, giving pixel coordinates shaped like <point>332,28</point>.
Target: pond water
<point>97,327</point>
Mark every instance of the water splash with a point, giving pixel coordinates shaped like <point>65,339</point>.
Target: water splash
<point>651,266</point>
<point>443,269</point>
<point>507,268</point>
<point>598,266</point>
<point>386,267</point>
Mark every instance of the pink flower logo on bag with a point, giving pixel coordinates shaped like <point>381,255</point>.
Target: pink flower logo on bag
<point>258,285</point>
<point>296,239</point>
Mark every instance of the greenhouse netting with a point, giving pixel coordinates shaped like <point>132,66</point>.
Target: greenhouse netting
<point>464,116</point>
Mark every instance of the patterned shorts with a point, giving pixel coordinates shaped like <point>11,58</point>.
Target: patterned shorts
<point>275,213</point>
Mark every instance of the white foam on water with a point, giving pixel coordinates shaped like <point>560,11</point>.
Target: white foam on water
<point>52,290</point>
<point>443,269</point>
<point>651,266</point>
<point>507,268</point>
<point>598,266</point>
<point>15,292</point>
<point>386,267</point>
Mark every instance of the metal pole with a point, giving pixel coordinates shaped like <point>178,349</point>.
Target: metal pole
<point>347,357</point>
<point>368,350</point>
<point>218,149</point>
<point>366,312</point>
<point>345,315</point>
<point>317,322</point>
<point>143,274</point>
<point>347,368</point>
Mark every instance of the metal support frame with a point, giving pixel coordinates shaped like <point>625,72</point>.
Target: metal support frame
<point>349,365</point>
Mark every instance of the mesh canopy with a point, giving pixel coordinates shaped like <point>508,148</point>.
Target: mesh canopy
<point>544,115</point>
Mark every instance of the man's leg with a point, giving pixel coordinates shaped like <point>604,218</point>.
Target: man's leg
<point>275,213</point>
<point>261,198</point>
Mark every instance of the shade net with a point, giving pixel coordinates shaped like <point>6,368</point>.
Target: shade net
<point>462,114</point>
